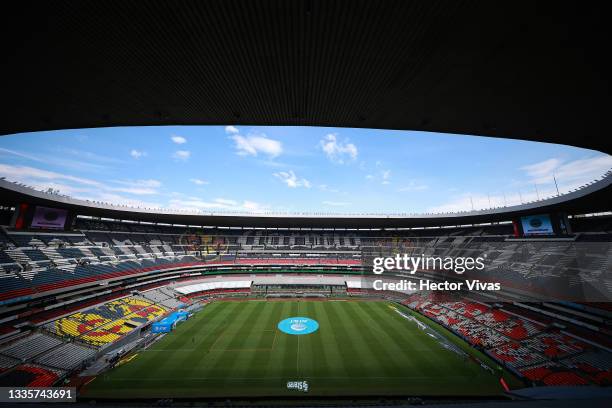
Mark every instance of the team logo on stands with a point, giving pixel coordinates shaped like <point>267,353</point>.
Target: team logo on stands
<point>298,325</point>
<point>206,244</point>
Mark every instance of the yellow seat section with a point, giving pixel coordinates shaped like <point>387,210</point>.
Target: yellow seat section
<point>109,322</point>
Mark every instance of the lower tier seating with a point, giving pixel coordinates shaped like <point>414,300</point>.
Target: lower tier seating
<point>67,357</point>
<point>553,374</point>
<point>31,375</point>
<point>594,365</point>
<point>517,355</point>
<point>556,344</point>
<point>108,322</point>
<point>7,362</point>
<point>549,357</point>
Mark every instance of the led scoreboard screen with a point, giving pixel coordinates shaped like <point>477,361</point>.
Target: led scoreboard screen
<point>537,225</point>
<point>49,218</point>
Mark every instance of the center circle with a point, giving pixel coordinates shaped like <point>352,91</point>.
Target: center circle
<point>298,325</point>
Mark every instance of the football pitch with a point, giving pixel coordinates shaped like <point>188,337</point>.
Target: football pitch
<point>361,348</point>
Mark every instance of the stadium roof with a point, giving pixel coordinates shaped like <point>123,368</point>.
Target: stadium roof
<point>515,69</point>
<point>591,198</point>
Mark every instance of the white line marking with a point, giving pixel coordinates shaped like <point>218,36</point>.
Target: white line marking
<point>297,355</point>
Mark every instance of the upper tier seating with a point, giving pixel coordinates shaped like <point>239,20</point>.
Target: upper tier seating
<point>13,284</point>
<point>518,263</point>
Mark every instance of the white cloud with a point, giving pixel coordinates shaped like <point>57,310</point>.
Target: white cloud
<point>110,192</point>
<point>276,164</point>
<point>137,154</point>
<point>386,176</point>
<point>336,203</point>
<point>89,156</point>
<point>178,139</point>
<point>25,173</point>
<point>183,155</point>
<point>223,204</point>
<point>198,181</point>
<point>292,181</point>
<point>413,186</point>
<point>337,151</point>
<point>80,187</point>
<point>65,162</point>
<point>539,185</point>
<point>138,187</point>
<point>573,173</point>
<point>135,190</point>
<point>61,188</point>
<point>195,204</point>
<point>231,130</point>
<point>148,183</point>
<point>328,189</point>
<point>253,206</point>
<point>458,203</point>
<point>224,201</point>
<point>119,200</point>
<point>463,202</point>
<point>22,155</point>
<point>252,145</point>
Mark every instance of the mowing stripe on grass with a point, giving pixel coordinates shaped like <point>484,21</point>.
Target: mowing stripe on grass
<point>407,345</point>
<point>361,348</point>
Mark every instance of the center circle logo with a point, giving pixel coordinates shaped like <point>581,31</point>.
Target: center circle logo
<point>298,325</point>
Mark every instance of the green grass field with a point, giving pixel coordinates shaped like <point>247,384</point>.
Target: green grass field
<point>234,349</point>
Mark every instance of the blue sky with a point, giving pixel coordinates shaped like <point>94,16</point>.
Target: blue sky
<point>293,169</point>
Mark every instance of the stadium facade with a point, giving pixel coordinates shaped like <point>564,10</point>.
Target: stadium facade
<point>84,282</point>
